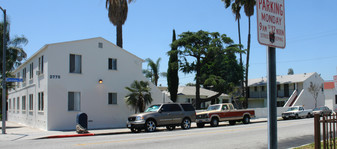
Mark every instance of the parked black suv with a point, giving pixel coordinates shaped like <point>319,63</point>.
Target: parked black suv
<point>166,114</point>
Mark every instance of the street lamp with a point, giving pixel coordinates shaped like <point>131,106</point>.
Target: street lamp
<point>4,44</point>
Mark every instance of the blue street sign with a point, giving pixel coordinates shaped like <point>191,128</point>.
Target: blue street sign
<point>13,80</point>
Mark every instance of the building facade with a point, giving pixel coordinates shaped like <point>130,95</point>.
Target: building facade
<point>292,90</point>
<point>64,79</point>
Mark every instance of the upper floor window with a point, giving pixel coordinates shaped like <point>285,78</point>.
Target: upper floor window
<point>31,74</point>
<point>100,45</point>
<point>112,64</point>
<point>24,71</point>
<point>41,65</point>
<point>75,65</point>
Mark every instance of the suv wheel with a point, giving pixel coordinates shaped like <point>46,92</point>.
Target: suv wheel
<point>150,126</point>
<point>186,124</point>
<point>170,127</point>
<point>214,122</point>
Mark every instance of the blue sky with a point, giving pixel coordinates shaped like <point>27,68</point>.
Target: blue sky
<point>311,30</point>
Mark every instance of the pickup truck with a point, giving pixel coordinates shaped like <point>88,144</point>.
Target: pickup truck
<point>297,112</point>
<point>223,112</point>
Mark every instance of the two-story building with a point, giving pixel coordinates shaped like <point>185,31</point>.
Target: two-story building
<point>292,90</point>
<point>63,79</point>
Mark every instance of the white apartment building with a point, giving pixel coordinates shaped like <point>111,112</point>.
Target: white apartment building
<point>292,90</point>
<point>63,79</point>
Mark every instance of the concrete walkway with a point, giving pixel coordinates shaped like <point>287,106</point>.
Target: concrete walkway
<point>15,132</point>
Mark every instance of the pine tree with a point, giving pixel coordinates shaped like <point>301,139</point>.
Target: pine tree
<point>172,71</point>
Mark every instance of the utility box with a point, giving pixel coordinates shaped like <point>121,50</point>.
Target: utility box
<point>82,123</point>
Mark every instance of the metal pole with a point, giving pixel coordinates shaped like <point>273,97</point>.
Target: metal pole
<point>4,44</point>
<point>272,108</point>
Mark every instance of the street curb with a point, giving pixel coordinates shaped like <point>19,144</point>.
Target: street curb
<point>67,136</point>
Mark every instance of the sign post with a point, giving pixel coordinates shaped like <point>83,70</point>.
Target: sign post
<point>271,32</point>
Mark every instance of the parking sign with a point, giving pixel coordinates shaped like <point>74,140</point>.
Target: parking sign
<point>270,23</point>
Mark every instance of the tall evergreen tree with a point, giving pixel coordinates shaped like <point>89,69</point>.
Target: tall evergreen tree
<point>172,71</point>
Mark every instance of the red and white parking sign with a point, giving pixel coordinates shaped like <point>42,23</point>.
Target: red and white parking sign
<point>270,23</point>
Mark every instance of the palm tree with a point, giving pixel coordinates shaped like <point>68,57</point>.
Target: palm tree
<point>236,7</point>
<point>118,12</point>
<point>154,69</point>
<point>249,11</point>
<point>140,95</point>
<point>15,53</point>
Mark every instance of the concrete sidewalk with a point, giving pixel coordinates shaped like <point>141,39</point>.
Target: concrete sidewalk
<point>15,131</point>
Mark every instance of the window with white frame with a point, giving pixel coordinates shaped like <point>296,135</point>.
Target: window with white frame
<point>74,101</point>
<point>31,104</point>
<point>41,101</point>
<point>112,64</point>
<point>9,104</point>
<point>18,104</point>
<point>23,102</point>
<point>31,68</point>
<point>41,65</point>
<point>24,71</point>
<point>75,63</point>
<point>13,104</point>
<point>112,98</point>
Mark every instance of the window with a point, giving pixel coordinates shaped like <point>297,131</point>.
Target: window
<point>112,64</point>
<point>170,108</point>
<point>41,64</point>
<point>23,102</point>
<point>100,45</point>
<point>18,76</point>
<point>31,74</point>
<point>18,103</point>
<point>75,63</point>
<point>112,99</point>
<point>24,71</point>
<point>31,102</point>
<point>255,88</point>
<point>262,88</point>
<point>335,99</point>
<point>188,107</point>
<point>74,100</point>
<point>40,101</point>
<point>278,87</point>
<point>13,104</point>
<point>9,104</point>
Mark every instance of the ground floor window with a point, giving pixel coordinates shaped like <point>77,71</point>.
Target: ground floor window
<point>9,104</point>
<point>280,103</point>
<point>112,98</point>
<point>17,104</point>
<point>74,101</point>
<point>23,102</point>
<point>31,104</point>
<point>41,101</point>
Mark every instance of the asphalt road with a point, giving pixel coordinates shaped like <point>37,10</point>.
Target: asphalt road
<point>291,133</point>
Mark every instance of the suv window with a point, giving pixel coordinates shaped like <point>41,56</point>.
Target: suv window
<point>188,107</point>
<point>170,108</point>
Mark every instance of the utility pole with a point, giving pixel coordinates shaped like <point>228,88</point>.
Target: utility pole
<point>4,44</point>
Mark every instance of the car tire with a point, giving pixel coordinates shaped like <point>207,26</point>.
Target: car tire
<point>186,123</point>
<point>246,119</point>
<point>232,122</point>
<point>308,116</point>
<point>135,130</point>
<point>214,122</point>
<point>170,127</point>
<point>200,125</point>
<point>150,126</point>
<point>284,118</point>
<point>296,116</point>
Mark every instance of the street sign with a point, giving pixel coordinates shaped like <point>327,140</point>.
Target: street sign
<point>13,80</point>
<point>270,23</point>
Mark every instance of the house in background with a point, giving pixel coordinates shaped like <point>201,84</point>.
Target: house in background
<point>292,90</point>
<point>63,79</point>
<point>330,93</point>
<point>186,94</point>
